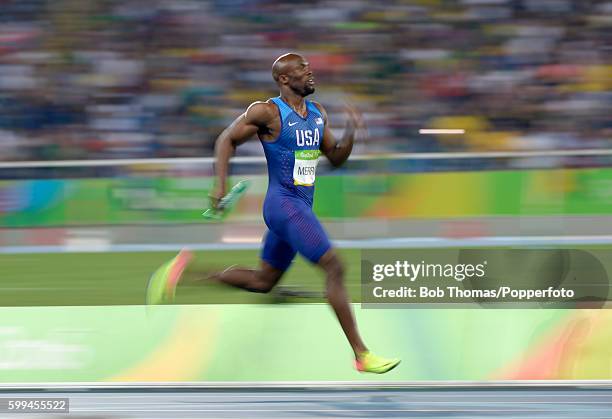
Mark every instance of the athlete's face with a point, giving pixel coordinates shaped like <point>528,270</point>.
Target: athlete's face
<point>301,79</point>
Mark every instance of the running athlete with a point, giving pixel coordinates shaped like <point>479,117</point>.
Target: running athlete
<point>294,132</point>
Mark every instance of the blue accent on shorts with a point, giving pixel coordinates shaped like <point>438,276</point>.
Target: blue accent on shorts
<point>293,228</point>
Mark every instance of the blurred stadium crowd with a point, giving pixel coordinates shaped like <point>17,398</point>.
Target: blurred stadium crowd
<point>162,78</point>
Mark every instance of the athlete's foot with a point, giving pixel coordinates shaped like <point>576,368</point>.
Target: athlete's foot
<point>163,282</point>
<point>368,362</point>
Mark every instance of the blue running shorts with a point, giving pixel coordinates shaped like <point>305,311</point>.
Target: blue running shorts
<point>293,228</point>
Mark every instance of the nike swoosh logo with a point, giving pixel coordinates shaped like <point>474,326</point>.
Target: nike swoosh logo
<point>292,124</point>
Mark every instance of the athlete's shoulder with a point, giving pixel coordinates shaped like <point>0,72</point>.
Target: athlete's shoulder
<point>261,113</point>
<point>320,108</point>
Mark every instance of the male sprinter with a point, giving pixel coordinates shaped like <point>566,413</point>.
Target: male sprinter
<point>293,132</point>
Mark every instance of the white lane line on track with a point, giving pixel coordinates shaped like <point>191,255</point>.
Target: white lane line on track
<point>540,386</point>
<point>171,409</point>
<point>379,243</point>
<point>420,396</point>
<point>416,402</point>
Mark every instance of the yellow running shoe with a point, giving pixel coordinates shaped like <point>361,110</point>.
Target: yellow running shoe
<point>163,282</point>
<point>368,362</point>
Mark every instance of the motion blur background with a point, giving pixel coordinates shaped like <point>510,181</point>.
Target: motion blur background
<point>84,80</point>
<point>139,78</point>
<point>94,80</point>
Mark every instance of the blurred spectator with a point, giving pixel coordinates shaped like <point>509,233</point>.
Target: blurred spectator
<point>162,78</point>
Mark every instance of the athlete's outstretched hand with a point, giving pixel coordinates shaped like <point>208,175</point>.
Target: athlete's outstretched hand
<point>337,152</point>
<point>354,122</point>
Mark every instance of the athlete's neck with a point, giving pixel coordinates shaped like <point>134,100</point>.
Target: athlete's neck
<point>296,102</point>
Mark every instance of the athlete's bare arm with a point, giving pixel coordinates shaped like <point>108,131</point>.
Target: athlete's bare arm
<point>338,152</point>
<point>256,119</point>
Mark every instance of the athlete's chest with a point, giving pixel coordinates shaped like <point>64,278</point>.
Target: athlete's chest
<point>302,133</point>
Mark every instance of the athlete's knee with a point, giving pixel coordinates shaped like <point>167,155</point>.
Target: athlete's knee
<point>266,278</point>
<point>334,283</point>
<point>333,266</point>
<point>337,269</point>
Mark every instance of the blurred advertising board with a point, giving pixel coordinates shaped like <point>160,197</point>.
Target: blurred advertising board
<point>151,200</point>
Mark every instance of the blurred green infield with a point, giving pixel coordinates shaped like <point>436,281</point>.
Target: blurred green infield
<point>89,279</point>
<point>70,279</point>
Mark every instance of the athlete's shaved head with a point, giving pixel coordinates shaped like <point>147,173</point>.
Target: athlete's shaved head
<point>293,71</point>
<point>284,64</point>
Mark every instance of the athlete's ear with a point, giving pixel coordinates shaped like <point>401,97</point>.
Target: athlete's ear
<point>283,79</point>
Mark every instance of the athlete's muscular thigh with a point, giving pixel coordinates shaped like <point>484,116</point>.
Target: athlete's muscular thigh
<point>276,252</point>
<point>306,235</point>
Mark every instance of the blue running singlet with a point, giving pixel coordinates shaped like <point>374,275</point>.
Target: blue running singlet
<point>287,210</point>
